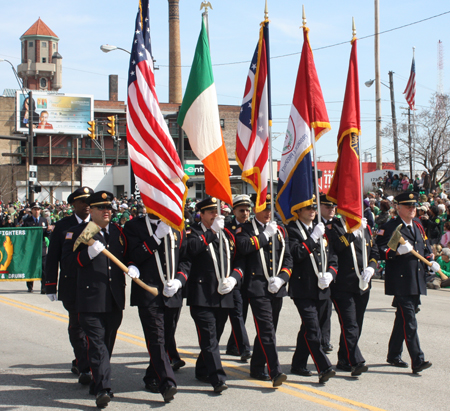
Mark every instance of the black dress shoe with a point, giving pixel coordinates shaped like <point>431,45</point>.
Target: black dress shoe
<point>343,366</point>
<point>358,369</point>
<point>233,351</point>
<point>327,347</point>
<point>85,378</point>
<point>398,362</point>
<point>262,376</point>
<point>74,368</point>
<point>91,391</point>
<point>176,365</point>
<point>246,355</point>
<point>152,386</point>
<point>221,386</point>
<point>279,379</point>
<point>421,367</point>
<point>326,375</point>
<point>303,371</point>
<point>102,399</point>
<point>203,378</point>
<point>169,392</point>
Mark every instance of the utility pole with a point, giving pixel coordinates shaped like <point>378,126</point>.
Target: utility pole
<point>394,119</point>
<point>377,87</point>
<point>30,145</point>
<point>410,144</point>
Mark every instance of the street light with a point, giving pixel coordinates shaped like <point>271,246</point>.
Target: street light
<point>16,75</point>
<point>106,48</point>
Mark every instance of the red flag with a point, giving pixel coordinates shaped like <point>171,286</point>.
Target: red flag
<point>345,189</point>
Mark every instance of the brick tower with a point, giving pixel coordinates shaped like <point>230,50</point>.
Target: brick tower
<point>175,95</point>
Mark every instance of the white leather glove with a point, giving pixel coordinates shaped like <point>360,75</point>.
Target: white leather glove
<point>227,285</point>
<point>52,297</point>
<point>325,280</point>
<point>95,249</point>
<point>319,231</point>
<point>367,274</point>
<point>171,287</point>
<point>364,222</point>
<point>218,224</point>
<point>435,267</point>
<point>275,283</point>
<point>162,230</point>
<point>271,229</point>
<point>404,248</point>
<point>133,271</point>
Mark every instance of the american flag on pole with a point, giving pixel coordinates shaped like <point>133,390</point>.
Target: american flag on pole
<point>252,140</point>
<point>154,159</point>
<point>410,89</point>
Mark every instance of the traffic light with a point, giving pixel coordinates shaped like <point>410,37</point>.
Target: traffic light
<point>91,129</point>
<point>112,125</point>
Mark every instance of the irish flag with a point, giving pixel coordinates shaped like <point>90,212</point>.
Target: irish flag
<point>199,118</point>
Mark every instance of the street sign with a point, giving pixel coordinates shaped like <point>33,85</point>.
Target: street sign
<point>33,174</point>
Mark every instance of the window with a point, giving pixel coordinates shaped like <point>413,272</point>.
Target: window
<point>30,44</point>
<point>43,82</point>
<point>44,44</point>
<point>44,59</point>
<point>54,46</point>
<point>222,122</point>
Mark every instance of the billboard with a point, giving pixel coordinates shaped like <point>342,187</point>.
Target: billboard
<point>54,113</point>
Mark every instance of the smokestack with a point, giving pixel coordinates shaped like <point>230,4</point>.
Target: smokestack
<point>175,95</point>
<point>113,87</point>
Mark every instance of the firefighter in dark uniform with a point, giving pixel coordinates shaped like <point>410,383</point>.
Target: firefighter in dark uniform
<point>309,286</point>
<point>351,289</point>
<point>68,280</point>
<point>208,293</point>
<point>238,343</point>
<point>35,220</point>
<point>158,251</point>
<point>265,278</point>
<point>100,295</point>
<point>405,280</point>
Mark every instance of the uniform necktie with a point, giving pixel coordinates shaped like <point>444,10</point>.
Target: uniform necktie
<point>105,234</point>
<point>310,230</point>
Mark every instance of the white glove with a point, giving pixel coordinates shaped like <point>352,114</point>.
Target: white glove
<point>95,249</point>
<point>364,223</point>
<point>271,229</point>
<point>275,283</point>
<point>171,287</point>
<point>133,271</point>
<point>162,230</point>
<point>319,231</point>
<point>52,297</point>
<point>218,224</point>
<point>435,267</point>
<point>325,280</point>
<point>404,248</point>
<point>367,274</point>
<point>227,285</point>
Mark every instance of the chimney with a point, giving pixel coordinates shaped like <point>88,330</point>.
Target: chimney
<point>113,87</point>
<point>175,95</point>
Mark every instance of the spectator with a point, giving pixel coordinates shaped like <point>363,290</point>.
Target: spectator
<point>446,237</point>
<point>395,182</point>
<point>444,261</point>
<point>384,216</point>
<point>405,182</point>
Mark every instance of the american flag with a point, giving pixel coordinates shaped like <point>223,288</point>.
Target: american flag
<point>410,89</point>
<point>154,159</point>
<point>252,140</point>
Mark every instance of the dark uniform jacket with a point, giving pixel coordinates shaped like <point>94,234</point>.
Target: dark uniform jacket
<point>405,274</point>
<point>202,284</point>
<point>67,278</point>
<point>141,253</point>
<point>100,282</point>
<point>304,281</point>
<point>249,244</point>
<point>42,222</point>
<point>346,279</point>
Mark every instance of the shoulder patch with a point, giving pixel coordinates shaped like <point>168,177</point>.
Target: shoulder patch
<point>329,226</point>
<point>380,232</point>
<point>188,231</point>
<point>238,230</point>
<point>69,236</point>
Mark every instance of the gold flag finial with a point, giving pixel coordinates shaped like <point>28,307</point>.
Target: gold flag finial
<point>266,12</point>
<point>303,15</point>
<point>205,5</point>
<point>353,27</point>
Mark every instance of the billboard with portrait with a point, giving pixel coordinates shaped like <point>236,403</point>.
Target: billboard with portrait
<point>54,113</point>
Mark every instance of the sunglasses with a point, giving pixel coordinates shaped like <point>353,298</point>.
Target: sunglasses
<point>104,207</point>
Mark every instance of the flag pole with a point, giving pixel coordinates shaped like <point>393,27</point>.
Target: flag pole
<point>205,5</point>
<point>414,127</point>
<point>274,262</point>
<point>316,176</point>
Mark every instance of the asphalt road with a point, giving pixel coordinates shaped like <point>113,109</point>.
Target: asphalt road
<point>35,357</point>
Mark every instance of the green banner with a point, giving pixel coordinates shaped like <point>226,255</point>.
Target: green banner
<point>21,254</point>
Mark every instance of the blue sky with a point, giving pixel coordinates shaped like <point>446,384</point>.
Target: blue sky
<point>83,26</point>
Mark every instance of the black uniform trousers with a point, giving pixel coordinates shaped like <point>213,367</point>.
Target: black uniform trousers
<point>77,338</point>
<point>350,308</point>
<point>31,283</point>
<point>266,312</point>
<point>239,337</point>
<point>210,322</point>
<point>171,317</point>
<point>405,329</point>
<point>325,309</point>
<point>309,336</point>
<point>153,324</point>
<point>101,330</point>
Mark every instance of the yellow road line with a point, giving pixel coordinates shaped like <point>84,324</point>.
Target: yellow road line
<point>236,370</point>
